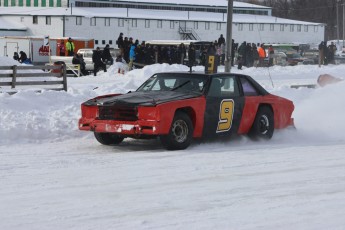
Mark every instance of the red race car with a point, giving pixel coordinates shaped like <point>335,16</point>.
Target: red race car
<point>180,106</point>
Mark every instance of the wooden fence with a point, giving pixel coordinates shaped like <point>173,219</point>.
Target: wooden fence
<point>46,77</point>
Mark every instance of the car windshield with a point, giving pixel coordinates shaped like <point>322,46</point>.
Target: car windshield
<point>174,82</point>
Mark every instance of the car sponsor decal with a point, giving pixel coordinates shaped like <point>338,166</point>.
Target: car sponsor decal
<point>226,114</point>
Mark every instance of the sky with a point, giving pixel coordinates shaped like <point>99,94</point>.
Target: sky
<point>54,176</point>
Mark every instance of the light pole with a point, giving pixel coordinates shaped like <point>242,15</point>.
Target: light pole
<point>337,15</point>
<point>228,37</point>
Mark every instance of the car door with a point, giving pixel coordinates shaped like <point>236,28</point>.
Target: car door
<point>224,106</point>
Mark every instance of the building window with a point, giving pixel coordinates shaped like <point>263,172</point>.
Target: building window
<point>292,28</point>
<point>107,21</point>
<point>316,29</point>
<point>299,28</point>
<point>207,25</point>
<point>35,19</point>
<point>110,42</point>
<point>147,23</point>
<point>121,22</point>
<point>271,27</point>
<point>251,26</point>
<point>196,25</point>
<point>92,21</point>
<point>219,26</point>
<point>281,27</point>
<point>134,23</point>
<point>96,42</point>
<point>78,21</point>
<point>305,28</point>
<point>28,2</point>
<point>48,20</point>
<point>103,42</point>
<point>261,27</point>
<point>43,3</point>
<point>159,24</point>
<point>13,2</point>
<point>240,27</point>
<point>51,3</point>
<point>172,24</point>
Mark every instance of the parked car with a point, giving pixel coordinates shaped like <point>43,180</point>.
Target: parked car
<point>312,55</point>
<point>295,59</point>
<point>180,106</point>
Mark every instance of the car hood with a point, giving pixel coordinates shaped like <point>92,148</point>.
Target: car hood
<point>147,98</point>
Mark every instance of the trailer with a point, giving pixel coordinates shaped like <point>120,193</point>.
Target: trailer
<point>39,49</point>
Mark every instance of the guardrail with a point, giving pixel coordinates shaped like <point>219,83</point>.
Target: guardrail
<point>22,76</point>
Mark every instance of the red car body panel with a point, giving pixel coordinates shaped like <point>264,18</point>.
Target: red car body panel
<point>151,120</point>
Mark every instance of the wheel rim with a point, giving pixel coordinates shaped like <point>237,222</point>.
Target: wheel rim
<point>264,124</point>
<point>180,131</point>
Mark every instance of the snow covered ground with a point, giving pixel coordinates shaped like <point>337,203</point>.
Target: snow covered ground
<point>54,176</point>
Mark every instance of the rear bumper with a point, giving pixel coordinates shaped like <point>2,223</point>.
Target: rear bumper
<point>140,127</point>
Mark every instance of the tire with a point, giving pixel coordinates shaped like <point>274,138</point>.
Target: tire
<point>263,126</point>
<point>181,133</point>
<point>108,138</point>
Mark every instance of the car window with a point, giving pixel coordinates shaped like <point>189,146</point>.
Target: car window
<point>172,82</point>
<point>224,86</point>
<point>248,88</point>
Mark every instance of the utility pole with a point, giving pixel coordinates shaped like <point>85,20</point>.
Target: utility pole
<point>337,15</point>
<point>228,37</point>
<point>343,23</point>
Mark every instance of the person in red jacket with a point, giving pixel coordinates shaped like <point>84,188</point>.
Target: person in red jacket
<point>262,55</point>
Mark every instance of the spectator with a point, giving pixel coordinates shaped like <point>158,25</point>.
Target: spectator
<point>120,43</point>
<point>332,49</point>
<point>106,55</point>
<point>23,57</point>
<point>79,60</point>
<point>62,48</point>
<point>98,62</point>
<point>70,47</point>
<point>16,56</point>
<point>191,56</point>
<point>270,55</point>
<point>221,40</point>
<point>262,55</point>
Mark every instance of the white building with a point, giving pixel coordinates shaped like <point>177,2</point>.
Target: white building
<point>148,20</point>
<point>34,3</point>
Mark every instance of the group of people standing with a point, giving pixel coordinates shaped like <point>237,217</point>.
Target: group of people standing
<point>69,47</point>
<point>326,53</point>
<point>251,55</point>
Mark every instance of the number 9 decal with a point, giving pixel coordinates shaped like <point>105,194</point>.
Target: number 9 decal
<point>226,114</point>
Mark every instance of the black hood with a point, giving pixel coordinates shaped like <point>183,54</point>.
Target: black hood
<point>144,98</point>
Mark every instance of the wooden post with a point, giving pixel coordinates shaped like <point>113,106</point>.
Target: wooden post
<point>64,75</point>
<point>14,77</point>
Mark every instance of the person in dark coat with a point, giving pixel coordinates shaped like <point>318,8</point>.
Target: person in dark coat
<point>23,57</point>
<point>181,53</point>
<point>191,56</point>
<point>120,43</point>
<point>221,40</point>
<point>79,60</point>
<point>98,61</point>
<point>106,55</point>
<point>16,56</point>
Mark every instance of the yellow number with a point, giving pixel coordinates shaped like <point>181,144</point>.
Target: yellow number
<point>226,114</point>
<point>211,64</point>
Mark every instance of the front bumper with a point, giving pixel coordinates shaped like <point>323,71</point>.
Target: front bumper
<point>129,128</point>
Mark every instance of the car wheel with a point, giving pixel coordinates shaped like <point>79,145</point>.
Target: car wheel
<point>180,134</point>
<point>263,126</point>
<point>108,138</point>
